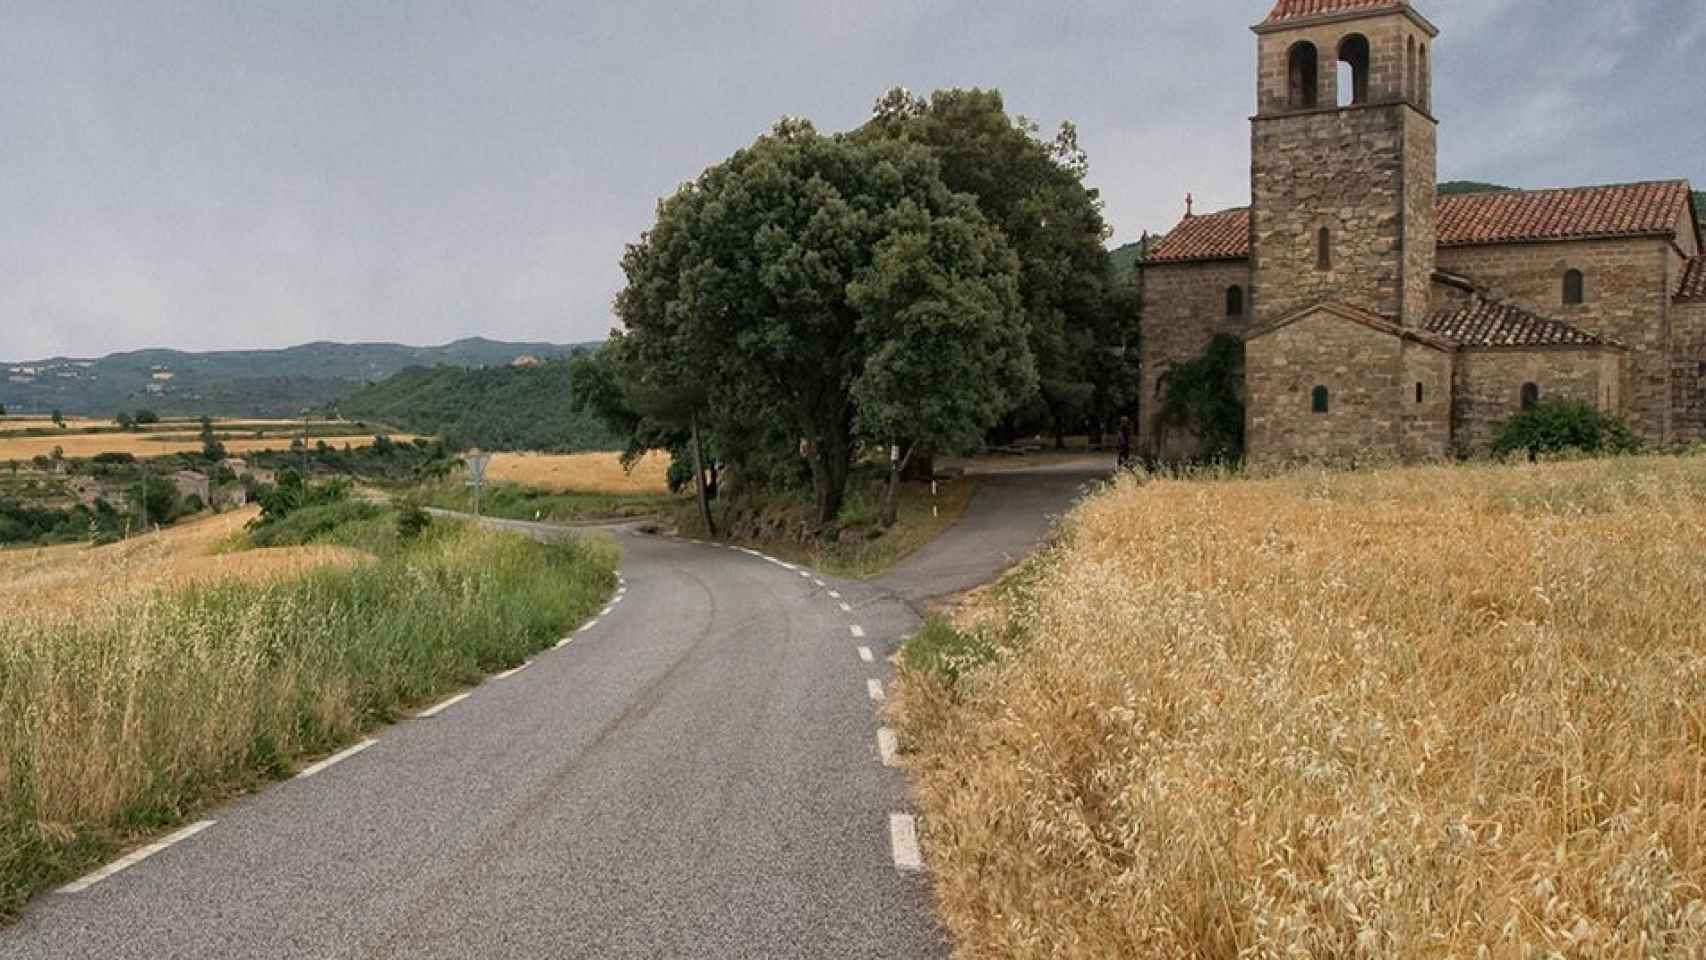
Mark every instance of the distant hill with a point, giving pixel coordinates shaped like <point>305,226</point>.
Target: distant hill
<point>493,408</point>
<point>1451,188</point>
<point>1124,258</point>
<point>247,383</point>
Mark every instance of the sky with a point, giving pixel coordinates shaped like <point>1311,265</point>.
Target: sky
<point>216,175</point>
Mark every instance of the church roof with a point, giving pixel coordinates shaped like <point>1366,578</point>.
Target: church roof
<point>1373,321</point>
<point>1288,10</point>
<point>1621,210</point>
<point>1463,220</point>
<point>1483,323</point>
<point>1693,288</point>
<point>1214,236</point>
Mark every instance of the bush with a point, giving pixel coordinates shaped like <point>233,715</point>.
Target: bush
<point>292,493</point>
<point>412,520</point>
<point>308,524</point>
<point>1555,426</point>
<point>114,457</point>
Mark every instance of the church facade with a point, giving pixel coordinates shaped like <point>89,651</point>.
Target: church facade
<point>1382,321</point>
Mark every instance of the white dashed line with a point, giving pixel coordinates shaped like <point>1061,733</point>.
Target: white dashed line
<point>606,611</point>
<point>846,609</point>
<point>805,575</point>
<point>512,672</point>
<point>866,655</point>
<point>858,631</point>
<point>563,643</point>
<point>587,627</point>
<point>903,835</point>
<point>133,859</point>
<point>439,708</point>
<point>874,688</point>
<point>339,757</point>
<point>835,595</point>
<point>888,745</point>
<point>819,584</point>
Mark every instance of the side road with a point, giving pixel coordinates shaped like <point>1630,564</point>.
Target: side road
<point>700,772</point>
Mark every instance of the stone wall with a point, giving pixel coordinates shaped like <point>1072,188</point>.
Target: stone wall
<point>1370,376</point>
<point>1389,75</point>
<point>1489,382</point>
<point>1355,172</point>
<point>1184,307</point>
<point>1688,372</point>
<point>1628,297</point>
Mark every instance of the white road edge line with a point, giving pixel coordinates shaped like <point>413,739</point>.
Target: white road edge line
<point>587,627</point>
<point>564,642</point>
<point>858,631</point>
<point>875,688</point>
<point>606,611</point>
<point>442,706</point>
<point>835,595</point>
<point>819,584</point>
<point>866,655</point>
<point>888,745</point>
<point>903,835</point>
<point>846,609</point>
<point>132,859</point>
<point>512,672</point>
<point>338,757</point>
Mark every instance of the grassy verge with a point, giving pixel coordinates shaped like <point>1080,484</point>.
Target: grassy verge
<point>856,546</point>
<point>1447,711</point>
<point>516,502</point>
<point>118,722</point>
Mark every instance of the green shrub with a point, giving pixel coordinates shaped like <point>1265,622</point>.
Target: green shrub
<point>1556,426</point>
<point>308,524</point>
<point>940,649</point>
<point>412,520</point>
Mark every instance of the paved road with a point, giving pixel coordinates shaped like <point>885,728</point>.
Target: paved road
<point>695,775</point>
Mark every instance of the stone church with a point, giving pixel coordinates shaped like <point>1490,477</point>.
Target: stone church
<point>1381,321</point>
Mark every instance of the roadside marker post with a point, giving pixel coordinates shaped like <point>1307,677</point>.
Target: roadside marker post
<point>477,463</point>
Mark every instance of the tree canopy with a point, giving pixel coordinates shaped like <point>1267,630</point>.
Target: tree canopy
<point>812,292</point>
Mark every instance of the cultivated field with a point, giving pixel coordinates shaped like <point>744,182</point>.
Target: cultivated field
<point>581,472</point>
<point>1441,712</point>
<point>84,445</point>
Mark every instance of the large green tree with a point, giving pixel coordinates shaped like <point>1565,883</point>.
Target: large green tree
<point>793,288</point>
<point>1033,190</point>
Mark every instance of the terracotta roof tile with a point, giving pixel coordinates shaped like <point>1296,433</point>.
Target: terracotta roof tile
<point>1622,210</point>
<point>1287,10</point>
<point>1693,288</point>
<point>1514,216</point>
<point>1214,236</point>
<point>1487,324</point>
<point>1373,321</point>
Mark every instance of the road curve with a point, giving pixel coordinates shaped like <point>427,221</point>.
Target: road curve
<point>696,775</point>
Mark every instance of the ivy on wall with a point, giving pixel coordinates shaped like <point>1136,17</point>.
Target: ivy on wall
<point>1202,398</point>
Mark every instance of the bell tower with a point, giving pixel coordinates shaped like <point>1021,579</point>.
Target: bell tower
<point>1343,159</point>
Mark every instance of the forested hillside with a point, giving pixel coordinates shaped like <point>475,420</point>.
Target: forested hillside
<point>493,408</point>
<point>239,383</point>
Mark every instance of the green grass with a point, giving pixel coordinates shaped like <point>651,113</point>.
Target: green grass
<point>511,501</point>
<point>118,722</point>
<point>940,649</point>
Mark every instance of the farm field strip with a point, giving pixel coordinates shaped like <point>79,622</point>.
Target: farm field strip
<point>84,446</point>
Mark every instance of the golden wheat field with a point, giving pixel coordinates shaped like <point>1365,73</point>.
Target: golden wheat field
<point>73,579</point>
<point>582,472</point>
<point>85,445</point>
<point>1433,712</point>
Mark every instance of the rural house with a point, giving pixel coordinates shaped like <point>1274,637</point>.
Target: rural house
<point>1382,321</point>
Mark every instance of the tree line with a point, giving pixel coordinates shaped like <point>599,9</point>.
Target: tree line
<point>926,283</point>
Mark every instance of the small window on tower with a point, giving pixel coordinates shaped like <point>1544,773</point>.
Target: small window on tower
<point>1320,400</point>
<point>1530,395</point>
<point>1304,71</point>
<point>1324,249</point>
<point>1235,301</point>
<point>1575,288</point>
<point>1353,70</point>
<point>1421,393</point>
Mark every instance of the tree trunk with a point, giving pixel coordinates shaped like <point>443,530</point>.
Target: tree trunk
<point>699,480</point>
<point>830,464</point>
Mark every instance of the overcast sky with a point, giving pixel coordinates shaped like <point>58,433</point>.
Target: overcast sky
<point>214,175</point>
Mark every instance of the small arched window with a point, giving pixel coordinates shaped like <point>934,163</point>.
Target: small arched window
<point>1575,287</point>
<point>1320,400</point>
<point>1324,249</point>
<point>1530,395</point>
<point>1304,71</point>
<point>1410,69</point>
<point>1235,301</point>
<point>1353,70</point>
<point>1421,393</point>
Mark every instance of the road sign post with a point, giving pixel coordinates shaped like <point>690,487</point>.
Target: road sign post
<point>477,463</point>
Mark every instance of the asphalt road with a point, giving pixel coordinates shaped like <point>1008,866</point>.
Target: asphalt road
<point>697,774</point>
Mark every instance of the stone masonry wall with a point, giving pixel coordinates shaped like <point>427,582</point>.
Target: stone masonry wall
<point>1490,381</point>
<point>1688,371</point>
<point>1368,373</point>
<point>1627,299</point>
<point>1184,307</point>
<point>1388,81</point>
<point>1348,171</point>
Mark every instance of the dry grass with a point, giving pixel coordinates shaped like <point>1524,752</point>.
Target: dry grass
<point>74,579</point>
<point>581,472</point>
<point>86,445</point>
<point>1441,712</point>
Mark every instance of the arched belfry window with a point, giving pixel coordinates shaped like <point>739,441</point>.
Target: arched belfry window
<point>1235,301</point>
<point>1353,70</point>
<point>1530,395</point>
<point>1411,90</point>
<point>1324,249</point>
<point>1575,287</point>
<point>1304,70</point>
<point>1320,400</point>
